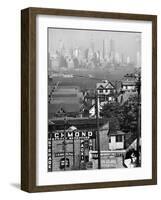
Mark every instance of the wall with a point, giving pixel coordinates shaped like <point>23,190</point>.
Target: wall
<point>58,146</point>
<point>113,145</point>
<point>108,160</point>
<point>10,98</point>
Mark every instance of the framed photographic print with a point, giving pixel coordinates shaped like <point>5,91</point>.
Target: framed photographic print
<point>89,99</point>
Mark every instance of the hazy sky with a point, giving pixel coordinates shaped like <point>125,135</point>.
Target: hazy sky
<point>127,43</point>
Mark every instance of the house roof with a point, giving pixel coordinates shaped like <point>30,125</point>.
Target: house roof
<point>79,123</point>
<point>129,83</point>
<point>104,85</point>
<point>68,107</point>
<point>117,133</point>
<point>129,80</point>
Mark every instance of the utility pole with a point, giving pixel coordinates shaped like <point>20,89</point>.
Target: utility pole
<point>74,148</point>
<point>64,142</point>
<point>97,136</point>
<point>73,153</point>
<point>139,120</point>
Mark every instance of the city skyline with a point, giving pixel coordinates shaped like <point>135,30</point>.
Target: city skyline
<point>118,42</point>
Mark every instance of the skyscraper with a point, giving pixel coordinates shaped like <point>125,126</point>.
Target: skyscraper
<point>112,45</point>
<point>112,51</point>
<point>105,49</point>
<point>138,59</point>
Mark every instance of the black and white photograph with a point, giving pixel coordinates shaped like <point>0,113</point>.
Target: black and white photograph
<point>94,99</point>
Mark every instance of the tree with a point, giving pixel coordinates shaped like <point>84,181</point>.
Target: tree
<point>126,113</point>
<point>110,110</point>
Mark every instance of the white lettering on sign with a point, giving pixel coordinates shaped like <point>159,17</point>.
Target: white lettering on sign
<point>76,134</point>
<point>56,135</point>
<point>82,150</point>
<point>83,134</point>
<point>90,134</point>
<point>50,154</point>
<point>70,134</point>
<point>61,154</point>
<point>62,135</point>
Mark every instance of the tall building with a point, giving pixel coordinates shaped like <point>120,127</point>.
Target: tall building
<point>61,47</point>
<point>76,52</point>
<point>112,45</point>
<point>105,48</point>
<point>92,44</point>
<point>138,59</point>
<point>117,58</point>
<point>112,51</point>
<point>128,60</point>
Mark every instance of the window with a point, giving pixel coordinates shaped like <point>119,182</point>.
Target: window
<point>110,98</point>
<point>119,138</point>
<point>100,91</point>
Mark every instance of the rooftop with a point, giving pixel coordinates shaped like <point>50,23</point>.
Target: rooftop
<point>104,84</point>
<point>129,78</point>
<point>67,107</point>
<point>79,123</point>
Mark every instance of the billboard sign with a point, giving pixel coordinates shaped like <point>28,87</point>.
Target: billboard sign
<point>69,135</point>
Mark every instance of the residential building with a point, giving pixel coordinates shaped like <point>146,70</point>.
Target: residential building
<point>129,83</point>
<point>116,140</point>
<point>116,137</point>
<point>106,91</point>
<point>79,141</point>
